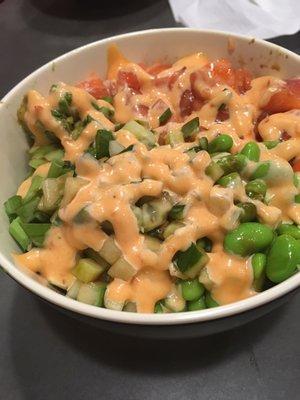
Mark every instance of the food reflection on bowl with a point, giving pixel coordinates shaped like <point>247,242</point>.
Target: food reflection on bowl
<point>168,187</point>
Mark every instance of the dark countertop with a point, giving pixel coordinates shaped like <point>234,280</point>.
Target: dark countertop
<point>45,355</point>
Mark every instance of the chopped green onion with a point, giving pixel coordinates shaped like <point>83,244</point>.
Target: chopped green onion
<point>27,210</point>
<point>203,143</point>
<point>297,198</point>
<point>129,148</point>
<point>36,162</point>
<point>36,185</point>
<point>205,243</point>
<point>18,233</point>
<point>165,116</point>
<point>107,112</point>
<point>12,204</point>
<point>36,232</point>
<point>108,99</point>
<point>58,168</point>
<point>103,137</point>
<point>190,127</point>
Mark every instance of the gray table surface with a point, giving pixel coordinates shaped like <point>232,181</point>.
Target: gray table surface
<point>45,355</point>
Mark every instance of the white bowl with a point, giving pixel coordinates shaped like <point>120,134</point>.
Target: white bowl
<point>165,44</point>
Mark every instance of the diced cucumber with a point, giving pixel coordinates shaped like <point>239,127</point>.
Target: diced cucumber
<point>53,189</point>
<point>130,307</point>
<point>141,133</point>
<point>72,186</point>
<point>171,228</point>
<point>82,217</point>
<point>174,300</point>
<point>112,304</point>
<point>87,270</point>
<point>155,212</point>
<point>191,261</point>
<point>152,243</point>
<point>122,269</point>
<point>115,148</point>
<point>205,279</point>
<point>174,138</point>
<point>177,212</point>
<point>92,293</point>
<point>110,251</point>
<point>94,255</point>
<point>74,289</point>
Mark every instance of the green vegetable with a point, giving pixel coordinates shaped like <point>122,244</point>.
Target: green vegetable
<point>108,99</point>
<point>248,238</point>
<point>107,112</point>
<point>174,300</point>
<point>176,212</point>
<point>209,301</point>
<point>258,262</point>
<point>35,187</point>
<point>196,305</point>
<point>110,251</point>
<point>252,151</point>
<point>283,258</point>
<point>190,128</point>
<point>36,162</point>
<point>58,168</point>
<point>36,232</point>
<point>11,205</point>
<point>155,212</point>
<point>232,163</point>
<point>297,198</point>
<point>102,140</point>
<point>27,210</point>
<point>87,270</point>
<point>165,116</point>
<point>171,228</point>
<point>220,143</point>
<point>191,261</point>
<point>92,293</point>
<point>141,133</point>
<point>205,243</point>
<point>158,308</point>
<point>289,229</point>
<point>174,138</point>
<point>214,171</point>
<point>192,289</point>
<point>270,144</point>
<point>261,171</point>
<point>54,155</point>
<point>249,212</point>
<point>230,180</point>
<point>130,307</point>
<point>203,143</point>
<point>122,269</point>
<point>256,189</point>
<point>18,233</point>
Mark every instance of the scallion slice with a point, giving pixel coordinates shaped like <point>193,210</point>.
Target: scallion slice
<point>165,116</point>
<point>190,128</point>
<point>103,137</point>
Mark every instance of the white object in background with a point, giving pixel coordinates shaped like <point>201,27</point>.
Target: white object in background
<point>257,18</point>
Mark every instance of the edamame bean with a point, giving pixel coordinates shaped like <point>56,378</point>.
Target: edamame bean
<point>209,301</point>
<point>261,171</point>
<point>196,305</point>
<point>229,180</point>
<point>256,189</point>
<point>220,143</point>
<point>248,238</point>
<point>192,289</point>
<point>258,262</point>
<point>251,151</point>
<point>289,229</point>
<point>283,258</point>
<point>249,212</point>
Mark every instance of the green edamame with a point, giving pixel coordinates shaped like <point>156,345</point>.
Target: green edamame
<point>256,189</point>
<point>220,143</point>
<point>283,258</point>
<point>258,262</point>
<point>196,305</point>
<point>249,212</point>
<point>261,171</point>
<point>229,180</point>
<point>248,238</point>
<point>252,151</point>
<point>289,229</point>
<point>192,289</point>
<point>270,144</point>
<point>209,301</point>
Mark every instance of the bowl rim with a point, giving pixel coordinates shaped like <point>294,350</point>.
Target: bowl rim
<point>148,319</point>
